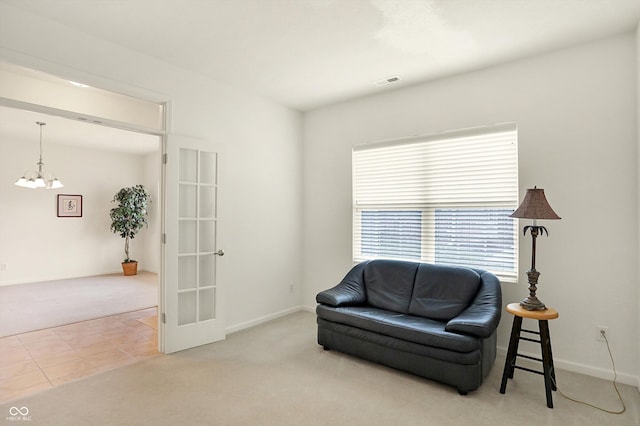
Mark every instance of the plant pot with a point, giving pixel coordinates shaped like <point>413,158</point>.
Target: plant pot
<point>130,268</point>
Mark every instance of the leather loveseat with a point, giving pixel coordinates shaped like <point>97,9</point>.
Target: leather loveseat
<point>435,321</point>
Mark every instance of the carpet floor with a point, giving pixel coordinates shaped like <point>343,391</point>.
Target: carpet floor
<point>35,306</point>
<point>276,374</point>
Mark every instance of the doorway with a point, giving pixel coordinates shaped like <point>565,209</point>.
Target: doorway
<point>41,245</point>
<point>91,140</point>
<point>48,357</point>
<point>197,307</point>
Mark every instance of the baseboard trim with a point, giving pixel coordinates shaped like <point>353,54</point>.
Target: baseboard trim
<point>252,323</point>
<point>307,308</point>
<point>66,277</point>
<point>587,370</point>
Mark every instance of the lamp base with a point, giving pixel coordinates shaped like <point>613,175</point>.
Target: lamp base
<point>532,304</point>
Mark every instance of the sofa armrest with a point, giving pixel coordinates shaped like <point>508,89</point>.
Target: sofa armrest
<point>350,291</point>
<point>482,316</point>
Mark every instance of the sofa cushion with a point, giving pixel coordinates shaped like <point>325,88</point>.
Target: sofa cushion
<point>442,292</point>
<point>410,328</point>
<point>389,284</point>
<point>350,340</point>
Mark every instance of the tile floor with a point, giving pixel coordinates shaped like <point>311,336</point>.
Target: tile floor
<point>43,359</point>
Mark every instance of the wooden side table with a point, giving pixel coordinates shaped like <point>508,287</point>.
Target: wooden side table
<point>548,370</point>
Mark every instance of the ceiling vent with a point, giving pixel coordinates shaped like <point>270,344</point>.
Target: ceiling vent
<point>388,80</point>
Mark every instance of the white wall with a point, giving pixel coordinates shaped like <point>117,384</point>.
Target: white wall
<point>576,115</point>
<point>37,245</point>
<point>260,218</point>
<point>151,235</point>
<point>25,85</point>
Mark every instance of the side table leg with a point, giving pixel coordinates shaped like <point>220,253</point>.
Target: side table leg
<point>510,361</point>
<point>547,360</point>
<point>553,369</point>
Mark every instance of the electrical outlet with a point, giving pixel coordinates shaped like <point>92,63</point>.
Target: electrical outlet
<point>601,329</point>
<point>291,288</point>
<point>3,267</point>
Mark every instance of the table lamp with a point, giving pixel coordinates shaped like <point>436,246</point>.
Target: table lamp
<point>534,206</point>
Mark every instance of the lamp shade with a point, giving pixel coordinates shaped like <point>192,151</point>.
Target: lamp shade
<point>535,206</point>
<point>22,182</point>
<point>54,184</point>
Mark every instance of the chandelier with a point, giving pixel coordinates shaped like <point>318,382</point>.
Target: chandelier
<point>39,179</point>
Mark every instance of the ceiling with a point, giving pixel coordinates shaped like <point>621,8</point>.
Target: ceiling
<point>307,54</point>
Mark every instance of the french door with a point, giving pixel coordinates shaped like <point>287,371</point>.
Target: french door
<point>190,291</point>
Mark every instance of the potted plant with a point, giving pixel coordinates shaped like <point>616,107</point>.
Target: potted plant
<point>128,218</point>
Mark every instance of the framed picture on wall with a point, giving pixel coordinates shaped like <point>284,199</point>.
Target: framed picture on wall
<point>69,205</point>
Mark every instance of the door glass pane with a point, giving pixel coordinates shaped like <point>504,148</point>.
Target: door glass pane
<point>197,236</point>
<point>187,272</point>
<point>207,236</point>
<point>188,165</point>
<point>187,307</point>
<point>208,166</point>
<point>207,270</point>
<point>207,304</point>
<point>187,236</point>
<point>208,202</point>
<point>187,201</point>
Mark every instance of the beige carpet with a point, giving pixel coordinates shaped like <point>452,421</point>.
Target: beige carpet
<point>276,374</point>
<point>34,306</point>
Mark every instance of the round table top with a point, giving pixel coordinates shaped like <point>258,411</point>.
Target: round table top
<point>547,314</point>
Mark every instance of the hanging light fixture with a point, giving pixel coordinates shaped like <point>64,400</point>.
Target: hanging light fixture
<point>39,179</point>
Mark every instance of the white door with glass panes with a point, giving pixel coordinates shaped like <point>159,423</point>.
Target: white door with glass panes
<point>192,258</point>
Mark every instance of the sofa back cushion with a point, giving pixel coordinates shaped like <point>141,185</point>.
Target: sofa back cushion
<point>389,284</point>
<point>442,292</point>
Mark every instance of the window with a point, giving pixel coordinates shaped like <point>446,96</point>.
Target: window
<point>392,233</point>
<point>439,199</point>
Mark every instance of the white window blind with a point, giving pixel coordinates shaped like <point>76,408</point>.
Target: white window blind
<point>439,199</point>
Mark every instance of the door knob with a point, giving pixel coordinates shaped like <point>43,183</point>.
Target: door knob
<point>219,253</point>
